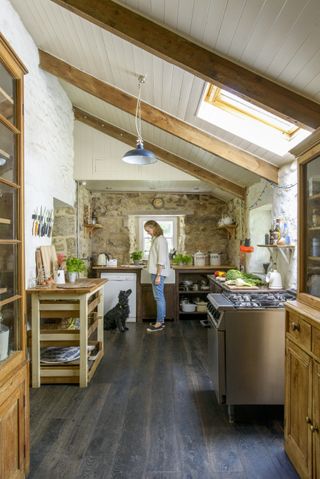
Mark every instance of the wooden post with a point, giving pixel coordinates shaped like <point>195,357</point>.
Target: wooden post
<point>35,340</point>
<point>100,322</point>
<point>83,340</point>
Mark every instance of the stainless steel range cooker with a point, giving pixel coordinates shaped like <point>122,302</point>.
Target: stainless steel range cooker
<point>246,346</point>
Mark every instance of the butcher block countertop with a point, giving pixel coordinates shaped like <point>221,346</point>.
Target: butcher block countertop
<point>303,309</point>
<point>201,268</point>
<point>123,267</point>
<point>82,286</point>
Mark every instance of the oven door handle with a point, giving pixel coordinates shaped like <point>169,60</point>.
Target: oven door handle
<point>212,320</point>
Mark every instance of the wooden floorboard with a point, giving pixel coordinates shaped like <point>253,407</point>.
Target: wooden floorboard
<point>150,413</point>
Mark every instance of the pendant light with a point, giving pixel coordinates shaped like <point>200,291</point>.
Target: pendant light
<point>139,156</point>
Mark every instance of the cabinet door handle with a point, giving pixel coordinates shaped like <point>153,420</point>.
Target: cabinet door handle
<point>314,428</point>
<point>308,420</point>
<point>295,326</point>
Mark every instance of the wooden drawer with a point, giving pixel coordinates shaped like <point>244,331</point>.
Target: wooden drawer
<point>298,330</point>
<point>316,342</point>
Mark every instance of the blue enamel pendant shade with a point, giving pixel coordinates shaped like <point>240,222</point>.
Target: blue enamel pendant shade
<point>139,156</point>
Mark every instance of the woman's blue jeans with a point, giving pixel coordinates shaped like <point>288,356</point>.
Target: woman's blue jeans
<point>158,294</point>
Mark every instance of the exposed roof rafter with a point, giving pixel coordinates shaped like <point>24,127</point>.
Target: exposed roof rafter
<point>164,155</point>
<point>158,118</point>
<point>203,63</point>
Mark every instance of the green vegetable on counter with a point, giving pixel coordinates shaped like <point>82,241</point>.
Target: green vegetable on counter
<point>250,279</point>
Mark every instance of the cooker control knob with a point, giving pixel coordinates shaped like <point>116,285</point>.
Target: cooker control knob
<point>216,315</point>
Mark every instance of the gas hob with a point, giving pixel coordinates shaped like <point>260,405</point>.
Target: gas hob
<point>252,300</point>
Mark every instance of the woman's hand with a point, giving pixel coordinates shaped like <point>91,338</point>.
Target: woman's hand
<point>157,279</point>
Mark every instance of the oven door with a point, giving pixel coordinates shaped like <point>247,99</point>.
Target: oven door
<point>216,358</point>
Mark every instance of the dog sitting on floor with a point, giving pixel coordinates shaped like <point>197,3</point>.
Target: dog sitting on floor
<point>117,316</point>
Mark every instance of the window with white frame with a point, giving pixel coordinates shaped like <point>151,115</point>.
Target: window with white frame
<point>169,226</point>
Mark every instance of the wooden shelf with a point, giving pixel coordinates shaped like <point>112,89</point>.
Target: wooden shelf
<point>4,154</point>
<point>231,230</point>
<point>314,228</point>
<point>5,221</point>
<point>92,226</point>
<point>280,246</point>
<point>314,197</point>
<point>6,96</point>
<point>314,258</point>
<point>195,292</point>
<point>194,312</point>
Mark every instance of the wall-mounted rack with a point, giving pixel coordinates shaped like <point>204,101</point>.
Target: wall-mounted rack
<point>285,250</point>
<point>91,227</point>
<point>231,230</point>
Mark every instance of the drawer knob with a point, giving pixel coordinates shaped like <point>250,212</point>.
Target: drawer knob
<point>308,420</point>
<point>314,428</point>
<point>295,326</point>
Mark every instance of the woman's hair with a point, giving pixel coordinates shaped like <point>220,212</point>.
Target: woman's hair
<point>158,231</point>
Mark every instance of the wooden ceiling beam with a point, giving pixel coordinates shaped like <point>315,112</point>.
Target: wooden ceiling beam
<point>164,155</point>
<point>195,59</point>
<point>158,118</point>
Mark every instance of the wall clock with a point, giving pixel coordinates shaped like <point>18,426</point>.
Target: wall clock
<point>157,203</point>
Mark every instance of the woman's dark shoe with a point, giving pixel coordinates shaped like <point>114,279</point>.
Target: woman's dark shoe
<point>153,329</point>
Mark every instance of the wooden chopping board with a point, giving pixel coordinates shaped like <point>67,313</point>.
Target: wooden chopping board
<point>234,287</point>
<point>49,259</point>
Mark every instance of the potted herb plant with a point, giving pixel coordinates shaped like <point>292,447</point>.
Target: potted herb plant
<point>136,256</point>
<point>187,259</point>
<point>182,259</point>
<point>74,267</point>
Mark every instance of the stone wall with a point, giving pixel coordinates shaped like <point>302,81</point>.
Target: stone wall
<point>198,216</point>
<point>48,133</point>
<point>65,228</point>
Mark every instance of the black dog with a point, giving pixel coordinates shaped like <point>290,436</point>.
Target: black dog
<point>117,316</point>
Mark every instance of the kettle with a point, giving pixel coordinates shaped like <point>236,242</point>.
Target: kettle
<point>274,279</point>
<point>102,259</point>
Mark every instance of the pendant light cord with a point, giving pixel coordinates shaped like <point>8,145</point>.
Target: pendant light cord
<point>138,111</point>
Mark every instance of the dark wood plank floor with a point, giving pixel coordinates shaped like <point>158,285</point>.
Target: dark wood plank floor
<point>150,412</point>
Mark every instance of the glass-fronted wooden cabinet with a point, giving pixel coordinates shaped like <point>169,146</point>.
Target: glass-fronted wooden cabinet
<point>14,430</point>
<point>309,227</point>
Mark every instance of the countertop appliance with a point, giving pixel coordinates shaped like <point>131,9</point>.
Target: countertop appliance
<point>116,283</point>
<point>102,259</point>
<point>274,279</point>
<point>246,346</point>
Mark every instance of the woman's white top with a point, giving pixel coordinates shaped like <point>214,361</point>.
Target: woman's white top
<point>159,254</point>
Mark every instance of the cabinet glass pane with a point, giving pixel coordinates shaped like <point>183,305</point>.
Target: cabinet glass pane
<point>311,218</point>
<point>8,212</point>
<point>7,154</point>
<point>8,271</point>
<point>7,95</point>
<point>10,339</point>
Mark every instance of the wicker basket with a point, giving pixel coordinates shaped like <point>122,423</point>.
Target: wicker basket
<point>202,307</point>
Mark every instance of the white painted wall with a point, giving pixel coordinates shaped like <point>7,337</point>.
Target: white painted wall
<point>260,219</point>
<point>48,132</point>
<point>98,157</point>
<point>284,205</point>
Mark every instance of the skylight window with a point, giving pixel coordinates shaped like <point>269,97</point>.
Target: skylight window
<point>249,121</point>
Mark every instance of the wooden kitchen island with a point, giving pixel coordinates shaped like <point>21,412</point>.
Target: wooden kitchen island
<point>52,305</point>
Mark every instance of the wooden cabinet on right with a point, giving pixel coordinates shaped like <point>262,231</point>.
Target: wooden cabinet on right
<point>302,399</point>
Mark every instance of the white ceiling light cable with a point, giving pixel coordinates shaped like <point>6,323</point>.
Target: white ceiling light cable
<point>139,156</point>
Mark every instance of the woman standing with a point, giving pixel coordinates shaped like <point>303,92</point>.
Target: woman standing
<point>159,267</point>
